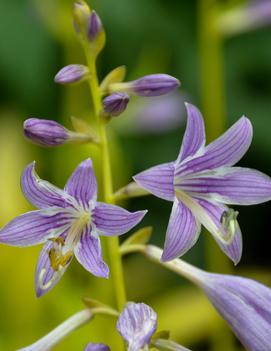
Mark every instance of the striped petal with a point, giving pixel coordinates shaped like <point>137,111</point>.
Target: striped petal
<point>224,151</point>
<point>33,228</point>
<point>158,181</point>
<point>182,233</point>
<point>114,220</point>
<point>39,192</point>
<point>82,184</point>
<point>194,137</point>
<point>45,276</point>
<point>88,252</point>
<point>232,185</point>
<point>235,248</point>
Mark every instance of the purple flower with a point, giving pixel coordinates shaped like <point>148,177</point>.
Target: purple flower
<point>94,26</point>
<point>97,347</point>
<point>245,304</point>
<point>115,103</point>
<point>201,182</point>
<point>72,74</point>
<point>69,222</point>
<point>136,324</point>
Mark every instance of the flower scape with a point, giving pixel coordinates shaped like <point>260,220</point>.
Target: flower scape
<point>83,221</point>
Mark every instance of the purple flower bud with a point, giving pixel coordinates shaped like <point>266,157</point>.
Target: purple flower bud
<point>94,26</point>
<point>154,85</point>
<point>96,347</point>
<point>136,324</point>
<point>115,103</point>
<point>72,74</point>
<point>45,132</point>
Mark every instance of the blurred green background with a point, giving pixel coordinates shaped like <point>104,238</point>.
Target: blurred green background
<point>148,36</point>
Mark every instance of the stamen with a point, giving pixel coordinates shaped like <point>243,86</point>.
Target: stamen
<point>229,222</point>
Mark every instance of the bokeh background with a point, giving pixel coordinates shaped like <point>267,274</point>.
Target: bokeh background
<point>148,36</point>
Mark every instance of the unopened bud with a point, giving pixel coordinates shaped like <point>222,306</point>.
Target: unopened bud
<point>72,74</point>
<point>151,85</point>
<point>94,26</point>
<point>50,133</point>
<point>116,103</point>
<point>81,13</point>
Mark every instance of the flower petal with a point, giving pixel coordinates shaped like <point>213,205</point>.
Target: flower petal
<point>49,275</point>
<point>39,192</point>
<point>245,304</point>
<point>230,185</point>
<point>96,347</point>
<point>33,228</point>
<point>158,181</point>
<point>88,252</point>
<point>234,249</point>
<point>136,324</point>
<point>114,220</point>
<point>182,233</point>
<point>194,137</point>
<point>82,184</point>
<point>224,151</point>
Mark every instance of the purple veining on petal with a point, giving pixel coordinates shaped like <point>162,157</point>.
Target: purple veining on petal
<point>33,228</point>
<point>194,137</point>
<point>232,185</point>
<point>39,192</point>
<point>82,184</point>
<point>45,132</point>
<point>154,85</point>
<point>111,220</point>
<point>94,26</point>
<point>96,347</point>
<point>245,304</point>
<point>182,233</point>
<point>235,248</point>
<point>115,103</point>
<point>88,252</point>
<point>158,181</point>
<point>136,324</point>
<point>224,151</point>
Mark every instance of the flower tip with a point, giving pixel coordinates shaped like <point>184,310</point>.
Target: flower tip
<point>116,103</point>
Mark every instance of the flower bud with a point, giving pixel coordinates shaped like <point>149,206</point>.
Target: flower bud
<point>94,26</point>
<point>50,133</point>
<point>115,104</point>
<point>72,74</point>
<point>151,85</point>
<point>81,13</point>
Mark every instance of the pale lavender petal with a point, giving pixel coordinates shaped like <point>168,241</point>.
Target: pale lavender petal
<point>39,192</point>
<point>33,228</point>
<point>232,185</point>
<point>49,273</point>
<point>114,220</point>
<point>97,347</point>
<point>235,248</point>
<point>224,151</point>
<point>136,324</point>
<point>246,305</point>
<point>194,137</point>
<point>82,184</point>
<point>88,252</point>
<point>158,181</point>
<point>182,232</point>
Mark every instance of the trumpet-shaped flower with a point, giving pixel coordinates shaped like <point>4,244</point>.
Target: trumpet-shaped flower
<point>202,182</point>
<point>69,222</point>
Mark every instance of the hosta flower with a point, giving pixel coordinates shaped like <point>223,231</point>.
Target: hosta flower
<point>202,182</point>
<point>69,222</point>
<point>72,74</point>
<point>97,347</point>
<point>137,324</point>
<point>245,304</point>
<point>115,103</point>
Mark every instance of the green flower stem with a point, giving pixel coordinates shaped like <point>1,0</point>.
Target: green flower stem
<point>112,242</point>
<point>213,103</point>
